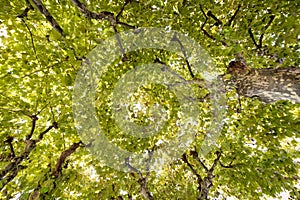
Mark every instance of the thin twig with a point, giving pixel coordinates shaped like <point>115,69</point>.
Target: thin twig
<point>143,181</point>
<point>15,165</point>
<point>131,167</point>
<point>44,68</point>
<point>119,15</point>
<point>196,156</point>
<point>227,166</point>
<point>122,9</point>
<point>175,38</point>
<point>32,42</point>
<point>9,140</point>
<point>157,60</point>
<point>205,32</point>
<point>104,15</point>
<point>252,38</point>
<point>199,178</point>
<point>41,135</point>
<point>126,25</point>
<point>27,9</point>
<point>42,109</point>
<point>202,26</point>
<point>272,17</point>
<point>233,16</point>
<point>120,43</point>
<point>216,161</point>
<point>148,165</point>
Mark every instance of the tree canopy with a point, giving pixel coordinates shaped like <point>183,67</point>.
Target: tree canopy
<point>254,47</point>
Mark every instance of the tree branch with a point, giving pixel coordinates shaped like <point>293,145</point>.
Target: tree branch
<point>120,43</point>
<point>196,156</point>
<point>41,135</point>
<point>119,15</point>
<point>44,11</point>
<point>27,9</point>
<point>218,22</point>
<point>233,16</point>
<point>218,153</point>
<point>202,26</point>
<point>55,173</point>
<point>41,69</point>
<point>143,181</point>
<point>252,38</point>
<point>272,17</point>
<point>175,38</point>
<point>11,176</point>
<point>148,164</point>
<point>122,9</point>
<point>63,156</point>
<point>269,85</point>
<point>104,15</point>
<point>205,32</point>
<point>131,167</point>
<point>126,25</point>
<point>15,165</point>
<point>199,178</point>
<point>227,166</point>
<point>205,184</point>
<point>32,42</point>
<point>157,60</point>
<point>9,140</point>
<point>33,124</point>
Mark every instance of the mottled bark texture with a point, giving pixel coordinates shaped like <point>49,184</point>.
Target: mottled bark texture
<point>268,85</point>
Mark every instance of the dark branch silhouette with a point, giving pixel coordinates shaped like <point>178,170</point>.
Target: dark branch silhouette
<point>272,17</point>
<point>27,9</point>
<point>9,140</point>
<point>252,38</point>
<point>218,22</point>
<point>259,45</point>
<point>233,16</point>
<point>119,15</point>
<point>104,15</point>
<point>63,156</point>
<point>198,176</point>
<point>202,26</point>
<point>11,170</point>
<point>196,157</point>
<point>122,9</point>
<point>33,123</point>
<point>204,31</point>
<point>204,184</point>
<point>44,11</point>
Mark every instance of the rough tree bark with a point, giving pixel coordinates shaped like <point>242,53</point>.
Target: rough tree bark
<point>268,85</point>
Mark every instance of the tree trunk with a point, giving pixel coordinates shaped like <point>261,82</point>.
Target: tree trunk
<point>205,186</point>
<point>268,85</point>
